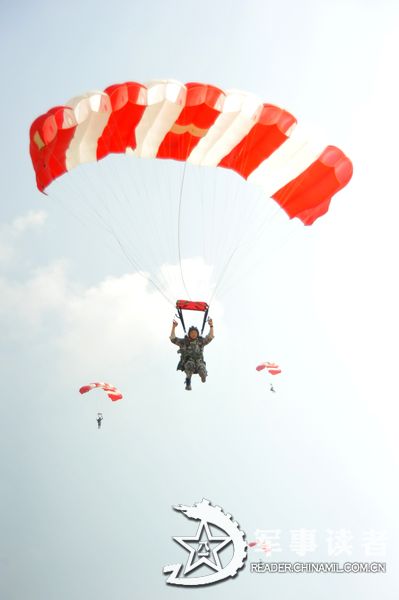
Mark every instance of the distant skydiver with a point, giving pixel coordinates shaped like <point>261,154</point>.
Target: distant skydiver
<point>272,368</point>
<point>99,419</point>
<point>192,353</point>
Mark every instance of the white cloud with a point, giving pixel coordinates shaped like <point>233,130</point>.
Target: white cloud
<point>112,322</point>
<point>32,219</point>
<point>6,252</point>
<point>11,232</point>
<point>26,304</point>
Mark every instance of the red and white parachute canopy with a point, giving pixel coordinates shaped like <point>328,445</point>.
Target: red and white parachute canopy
<point>272,368</point>
<point>198,123</point>
<point>114,394</point>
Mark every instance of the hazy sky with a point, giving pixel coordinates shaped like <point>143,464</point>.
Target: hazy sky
<point>87,514</point>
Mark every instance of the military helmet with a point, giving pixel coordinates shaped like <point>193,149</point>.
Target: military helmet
<point>193,328</point>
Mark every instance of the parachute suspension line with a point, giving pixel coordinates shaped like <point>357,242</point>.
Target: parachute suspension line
<point>78,194</point>
<point>241,242</point>
<point>133,262</point>
<point>257,265</point>
<point>83,223</point>
<point>65,207</point>
<point>168,210</point>
<point>232,245</point>
<point>130,247</point>
<point>200,187</point>
<point>108,227</point>
<point>128,225</point>
<point>221,279</point>
<point>125,242</point>
<point>228,244</point>
<point>268,221</point>
<point>101,224</point>
<point>146,277</point>
<point>222,274</point>
<point>233,239</point>
<point>179,229</point>
<point>212,241</point>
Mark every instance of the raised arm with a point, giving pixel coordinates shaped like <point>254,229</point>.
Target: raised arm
<point>175,340</point>
<point>173,331</point>
<point>211,334</point>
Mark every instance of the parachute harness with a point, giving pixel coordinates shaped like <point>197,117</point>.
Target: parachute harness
<point>189,305</point>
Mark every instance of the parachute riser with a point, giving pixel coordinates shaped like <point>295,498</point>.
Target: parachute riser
<point>205,320</point>
<point>181,318</point>
<point>188,305</point>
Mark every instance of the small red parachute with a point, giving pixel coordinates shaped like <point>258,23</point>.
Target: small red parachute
<point>272,368</point>
<point>114,394</point>
<point>264,546</point>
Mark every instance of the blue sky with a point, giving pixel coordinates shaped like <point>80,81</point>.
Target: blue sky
<point>87,514</point>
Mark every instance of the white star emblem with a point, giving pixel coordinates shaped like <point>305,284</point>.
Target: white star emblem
<point>202,548</point>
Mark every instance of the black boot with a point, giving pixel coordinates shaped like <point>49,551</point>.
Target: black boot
<point>188,383</point>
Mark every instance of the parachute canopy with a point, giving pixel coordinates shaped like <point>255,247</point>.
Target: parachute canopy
<point>272,368</point>
<point>113,392</point>
<point>198,123</point>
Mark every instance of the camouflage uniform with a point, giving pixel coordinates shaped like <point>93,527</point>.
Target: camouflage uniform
<point>192,356</point>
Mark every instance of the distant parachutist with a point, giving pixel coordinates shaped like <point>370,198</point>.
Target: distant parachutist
<point>261,546</point>
<point>272,368</point>
<point>112,392</point>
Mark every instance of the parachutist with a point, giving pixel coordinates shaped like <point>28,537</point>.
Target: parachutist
<point>272,368</point>
<point>99,419</point>
<point>192,353</point>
